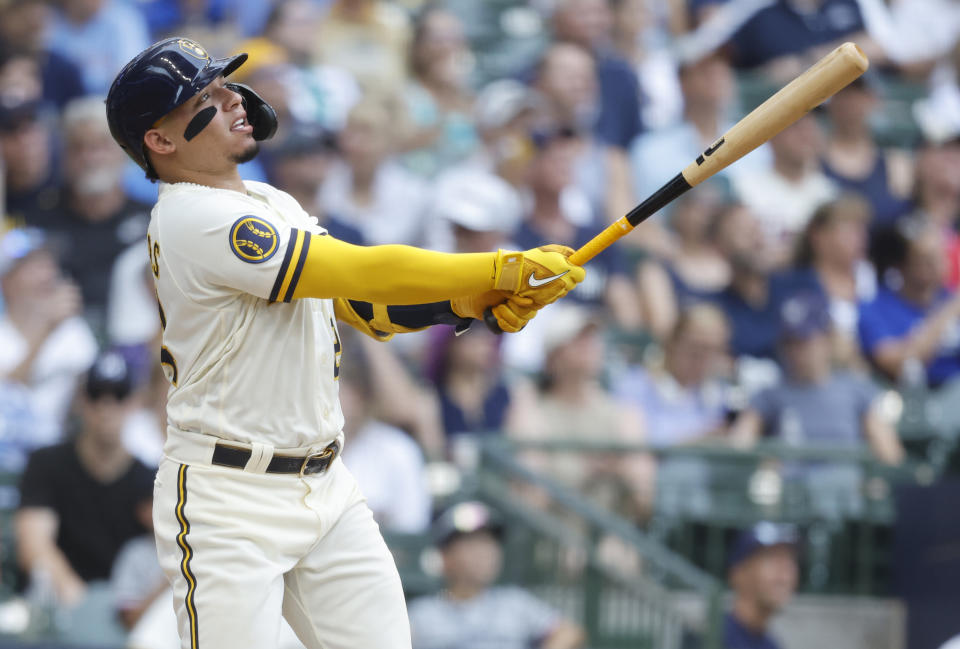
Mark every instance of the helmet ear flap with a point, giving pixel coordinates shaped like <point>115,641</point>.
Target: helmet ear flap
<point>260,114</point>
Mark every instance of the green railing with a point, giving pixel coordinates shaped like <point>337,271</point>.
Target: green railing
<point>842,499</point>
<point>615,579</point>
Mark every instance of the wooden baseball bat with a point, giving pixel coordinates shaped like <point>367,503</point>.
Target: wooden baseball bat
<point>823,79</point>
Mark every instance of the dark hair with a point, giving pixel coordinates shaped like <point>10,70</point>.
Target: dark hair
<point>419,28</point>
<point>890,246</point>
<point>825,215</point>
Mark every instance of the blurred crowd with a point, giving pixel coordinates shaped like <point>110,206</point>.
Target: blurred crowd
<point>792,297</point>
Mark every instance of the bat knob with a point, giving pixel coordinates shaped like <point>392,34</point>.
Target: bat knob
<point>491,321</point>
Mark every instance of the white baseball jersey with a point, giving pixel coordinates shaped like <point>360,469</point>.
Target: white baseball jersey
<point>246,362</point>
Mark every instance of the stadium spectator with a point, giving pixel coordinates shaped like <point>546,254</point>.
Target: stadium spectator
<point>551,218</point>
<point>504,112</point>
<point>937,195</point>
<point>216,23</point>
<point>831,253</point>
<point>99,37</point>
<point>367,187</point>
<point>45,346</point>
<point>636,39</point>
<point>784,196</point>
<point>472,211</point>
<point>852,159</point>
<point>694,270</point>
<point>573,404</point>
<point>370,39</point>
<point>474,395</point>
<point>386,462</point>
<point>814,403</point>
<point>914,317</point>
<point>681,399</point>
<point>81,500</point>
<point>566,82</point>
<point>27,148</point>
<point>785,37</point>
<point>589,24</point>
<point>709,94</point>
<point>93,220</point>
<point>299,166</point>
<point>23,25</point>
<point>438,99</point>
<point>472,611</point>
<point>752,300</point>
<point>763,573</point>
<point>318,94</point>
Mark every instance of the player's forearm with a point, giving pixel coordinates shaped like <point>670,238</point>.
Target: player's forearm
<point>391,274</point>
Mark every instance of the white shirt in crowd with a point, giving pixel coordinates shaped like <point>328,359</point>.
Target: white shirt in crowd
<point>389,468</point>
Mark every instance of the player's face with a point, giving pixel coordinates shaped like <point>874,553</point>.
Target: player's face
<point>210,131</point>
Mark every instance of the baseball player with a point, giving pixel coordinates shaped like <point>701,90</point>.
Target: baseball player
<point>255,515</point>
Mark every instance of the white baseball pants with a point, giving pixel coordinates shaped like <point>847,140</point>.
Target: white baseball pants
<point>242,548</point>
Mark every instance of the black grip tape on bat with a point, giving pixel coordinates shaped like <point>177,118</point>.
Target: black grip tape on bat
<point>199,122</point>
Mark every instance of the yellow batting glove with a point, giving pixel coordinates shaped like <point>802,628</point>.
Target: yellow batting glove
<point>542,274</point>
<point>512,312</point>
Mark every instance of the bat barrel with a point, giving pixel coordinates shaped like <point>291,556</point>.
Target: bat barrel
<point>823,79</point>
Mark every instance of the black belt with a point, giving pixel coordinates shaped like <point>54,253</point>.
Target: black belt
<point>235,456</point>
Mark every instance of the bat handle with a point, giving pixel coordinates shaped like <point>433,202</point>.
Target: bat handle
<point>491,321</point>
<point>580,256</point>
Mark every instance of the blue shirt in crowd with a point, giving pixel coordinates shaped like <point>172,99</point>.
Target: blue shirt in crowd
<point>782,29</point>
<point>102,45</point>
<point>737,636</point>
<point>890,317</point>
<point>829,413</point>
<point>755,330</point>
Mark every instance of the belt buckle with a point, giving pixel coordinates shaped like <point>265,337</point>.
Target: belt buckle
<point>326,453</point>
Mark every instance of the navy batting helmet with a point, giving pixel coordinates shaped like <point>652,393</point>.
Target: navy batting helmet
<point>162,77</point>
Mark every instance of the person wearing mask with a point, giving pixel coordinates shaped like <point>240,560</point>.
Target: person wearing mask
<point>472,611</point>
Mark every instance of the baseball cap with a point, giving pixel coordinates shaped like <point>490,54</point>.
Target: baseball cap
<point>109,374</point>
<point>803,316</point>
<point>305,140</point>
<point>564,322</point>
<point>15,111</point>
<point>465,518</point>
<point>477,200</point>
<point>764,534</point>
<point>17,244</point>
<point>502,101</point>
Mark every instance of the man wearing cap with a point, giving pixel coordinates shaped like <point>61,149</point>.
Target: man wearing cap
<point>79,500</point>
<point>815,404</point>
<point>472,612</point>
<point>255,514</point>
<point>762,572</point>
<point>26,146</point>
